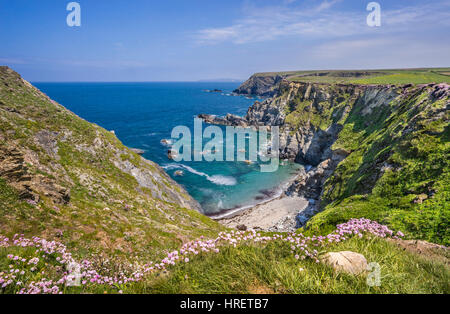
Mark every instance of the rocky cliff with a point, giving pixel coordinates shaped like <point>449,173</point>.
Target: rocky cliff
<point>260,85</point>
<point>364,145</point>
<point>61,176</point>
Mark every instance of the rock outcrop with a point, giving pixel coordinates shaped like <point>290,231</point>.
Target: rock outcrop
<point>260,85</point>
<point>228,120</point>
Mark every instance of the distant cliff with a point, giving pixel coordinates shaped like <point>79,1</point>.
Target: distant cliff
<point>260,85</point>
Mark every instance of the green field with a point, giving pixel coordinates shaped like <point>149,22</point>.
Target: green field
<point>401,76</point>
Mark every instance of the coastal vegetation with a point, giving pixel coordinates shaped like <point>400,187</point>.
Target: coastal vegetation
<point>63,177</point>
<point>75,203</point>
<point>379,151</point>
<point>234,262</point>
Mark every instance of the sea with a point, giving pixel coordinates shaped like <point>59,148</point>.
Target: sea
<point>143,115</point>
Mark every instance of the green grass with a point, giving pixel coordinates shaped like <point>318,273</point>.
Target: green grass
<point>381,77</point>
<point>406,78</point>
<point>273,269</point>
<point>266,269</point>
<point>419,167</point>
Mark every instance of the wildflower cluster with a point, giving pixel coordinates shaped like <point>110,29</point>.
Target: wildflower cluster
<point>43,259</point>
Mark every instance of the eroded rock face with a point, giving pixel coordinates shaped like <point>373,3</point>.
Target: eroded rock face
<point>346,261</point>
<point>228,120</point>
<point>48,141</point>
<point>149,179</point>
<point>307,143</point>
<point>312,117</point>
<point>13,168</point>
<point>309,184</point>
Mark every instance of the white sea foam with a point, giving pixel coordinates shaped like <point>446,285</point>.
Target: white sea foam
<point>222,180</point>
<point>216,179</point>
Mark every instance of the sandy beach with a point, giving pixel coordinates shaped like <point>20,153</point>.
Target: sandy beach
<point>275,215</point>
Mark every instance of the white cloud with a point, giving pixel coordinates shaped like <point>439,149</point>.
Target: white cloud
<point>270,23</point>
<point>381,52</point>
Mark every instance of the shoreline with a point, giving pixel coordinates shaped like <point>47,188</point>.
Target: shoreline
<point>277,213</point>
<point>278,194</point>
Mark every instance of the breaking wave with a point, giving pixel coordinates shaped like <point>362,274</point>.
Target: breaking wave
<point>216,179</point>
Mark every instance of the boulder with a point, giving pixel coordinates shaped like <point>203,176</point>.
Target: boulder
<point>346,261</point>
<point>228,120</point>
<point>241,227</point>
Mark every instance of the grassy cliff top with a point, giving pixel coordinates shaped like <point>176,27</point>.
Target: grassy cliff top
<point>387,76</point>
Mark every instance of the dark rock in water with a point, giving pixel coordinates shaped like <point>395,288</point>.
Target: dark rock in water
<point>301,220</point>
<point>171,154</point>
<point>138,151</point>
<point>17,172</point>
<point>267,193</point>
<point>166,142</point>
<point>179,173</point>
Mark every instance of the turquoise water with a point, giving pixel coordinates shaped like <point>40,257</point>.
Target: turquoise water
<point>143,114</point>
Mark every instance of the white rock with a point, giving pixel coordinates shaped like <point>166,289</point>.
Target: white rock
<point>346,261</point>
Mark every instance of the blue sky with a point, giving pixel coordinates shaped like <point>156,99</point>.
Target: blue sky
<point>188,40</point>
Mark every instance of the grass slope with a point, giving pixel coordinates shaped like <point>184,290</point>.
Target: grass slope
<point>273,269</point>
<point>243,267</point>
<point>120,204</point>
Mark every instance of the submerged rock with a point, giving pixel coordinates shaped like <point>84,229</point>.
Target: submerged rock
<point>179,173</point>
<point>171,154</point>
